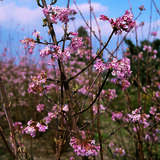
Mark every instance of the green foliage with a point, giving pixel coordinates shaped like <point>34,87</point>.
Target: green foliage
<point>82,32</point>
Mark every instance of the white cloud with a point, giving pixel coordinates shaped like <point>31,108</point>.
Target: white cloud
<point>97,7</point>
<point>19,15</point>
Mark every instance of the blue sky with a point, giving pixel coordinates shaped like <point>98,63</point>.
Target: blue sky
<point>18,18</point>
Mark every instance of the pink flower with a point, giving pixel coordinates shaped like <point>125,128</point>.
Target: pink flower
<point>99,65</point>
<point>65,108</point>
<point>124,23</point>
<point>40,107</point>
<point>73,33</point>
<point>71,158</point>
<point>111,93</point>
<point>41,127</point>
<point>46,51</point>
<point>76,43</point>
<point>36,34</point>
<point>30,130</point>
<point>154,34</point>
<point>147,48</point>
<point>116,116</point>
<point>56,14</point>
<point>101,109</point>
<point>157,94</point>
<point>153,110</point>
<point>84,147</point>
<point>104,18</point>
<point>120,151</point>
<point>37,83</point>
<point>29,44</point>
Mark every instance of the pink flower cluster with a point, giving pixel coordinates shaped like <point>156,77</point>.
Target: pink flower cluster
<point>122,71</point>
<point>29,44</point>
<point>157,94</point>
<point>49,117</point>
<point>40,107</point>
<point>111,94</point>
<point>45,51</point>
<point>54,113</point>
<point>56,52</point>
<point>32,127</point>
<point>118,151</point>
<point>149,49</point>
<point>101,109</point>
<point>154,34</point>
<point>141,118</point>
<point>36,34</point>
<point>57,13</point>
<point>99,65</point>
<point>41,127</point>
<point>153,136</point>
<point>124,23</point>
<point>37,82</point>
<point>18,126</point>
<point>76,43</point>
<point>84,146</point>
<point>121,68</point>
<point>117,116</point>
<point>153,110</point>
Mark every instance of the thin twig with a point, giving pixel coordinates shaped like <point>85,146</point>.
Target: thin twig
<point>5,104</point>
<point>98,94</point>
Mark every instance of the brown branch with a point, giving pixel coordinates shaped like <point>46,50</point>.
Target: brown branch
<point>98,94</point>
<point>5,104</point>
<point>158,11</point>
<point>6,143</point>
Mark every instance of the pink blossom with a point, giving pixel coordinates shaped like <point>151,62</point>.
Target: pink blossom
<point>18,125</point>
<point>73,33</point>
<point>40,107</point>
<point>37,83</point>
<point>99,65</point>
<point>36,34</point>
<point>120,151</point>
<point>124,23</point>
<point>117,116</point>
<point>29,44</point>
<point>30,130</point>
<point>101,109</point>
<point>41,127</point>
<point>46,51</point>
<point>154,34</point>
<point>157,94</point>
<point>153,110</point>
<point>111,94</point>
<point>104,18</point>
<point>56,14</point>
<point>147,48</point>
<point>65,108</point>
<point>71,158</point>
<point>84,147</point>
<point>76,43</point>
